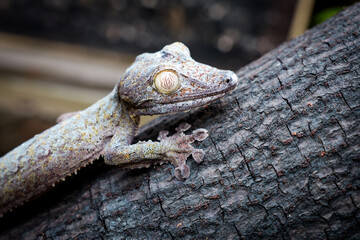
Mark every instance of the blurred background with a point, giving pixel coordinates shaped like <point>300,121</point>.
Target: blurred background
<point>59,56</point>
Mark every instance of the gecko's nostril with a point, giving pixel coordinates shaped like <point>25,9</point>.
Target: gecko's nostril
<point>231,79</point>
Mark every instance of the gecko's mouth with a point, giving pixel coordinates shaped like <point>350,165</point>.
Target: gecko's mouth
<point>188,98</point>
<point>196,96</point>
<point>170,107</point>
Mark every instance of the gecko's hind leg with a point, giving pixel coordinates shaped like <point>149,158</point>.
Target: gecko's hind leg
<point>65,116</point>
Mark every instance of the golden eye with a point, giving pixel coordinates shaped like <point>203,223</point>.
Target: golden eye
<point>166,81</point>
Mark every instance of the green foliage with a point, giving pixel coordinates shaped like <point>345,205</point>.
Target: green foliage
<point>325,14</point>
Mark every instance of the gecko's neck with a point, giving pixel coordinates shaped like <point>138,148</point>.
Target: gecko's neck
<point>126,107</point>
<point>117,106</point>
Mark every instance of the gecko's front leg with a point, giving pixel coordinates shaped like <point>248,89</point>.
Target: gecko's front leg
<point>175,149</point>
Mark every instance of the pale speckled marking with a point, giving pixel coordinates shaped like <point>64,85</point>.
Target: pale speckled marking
<point>34,166</point>
<point>107,128</point>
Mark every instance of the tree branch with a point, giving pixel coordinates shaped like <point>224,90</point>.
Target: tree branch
<point>282,159</point>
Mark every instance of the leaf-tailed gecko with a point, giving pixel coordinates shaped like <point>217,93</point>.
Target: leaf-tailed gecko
<point>164,82</point>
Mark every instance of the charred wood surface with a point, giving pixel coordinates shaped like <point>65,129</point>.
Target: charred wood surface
<point>282,160</point>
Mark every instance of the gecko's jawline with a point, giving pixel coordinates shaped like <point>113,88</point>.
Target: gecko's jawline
<point>187,99</point>
<point>169,107</point>
<point>201,101</point>
<point>195,97</point>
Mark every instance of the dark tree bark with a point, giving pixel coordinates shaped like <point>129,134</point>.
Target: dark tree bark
<point>282,160</point>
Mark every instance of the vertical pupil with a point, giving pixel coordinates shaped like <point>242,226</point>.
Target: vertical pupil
<point>167,81</point>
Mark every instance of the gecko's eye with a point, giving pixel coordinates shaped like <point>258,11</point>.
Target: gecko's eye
<point>166,81</point>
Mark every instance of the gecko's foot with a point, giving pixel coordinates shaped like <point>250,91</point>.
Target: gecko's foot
<point>178,148</point>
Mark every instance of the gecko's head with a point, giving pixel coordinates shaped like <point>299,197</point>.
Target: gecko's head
<point>170,81</point>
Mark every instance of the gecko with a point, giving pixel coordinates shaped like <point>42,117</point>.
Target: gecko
<point>163,82</point>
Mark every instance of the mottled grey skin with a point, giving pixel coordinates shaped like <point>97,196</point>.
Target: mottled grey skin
<point>107,128</point>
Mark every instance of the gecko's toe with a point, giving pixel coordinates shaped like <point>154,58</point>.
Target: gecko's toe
<point>182,127</point>
<point>182,172</point>
<point>198,155</point>
<point>200,134</point>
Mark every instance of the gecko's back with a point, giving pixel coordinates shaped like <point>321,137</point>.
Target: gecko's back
<point>41,162</point>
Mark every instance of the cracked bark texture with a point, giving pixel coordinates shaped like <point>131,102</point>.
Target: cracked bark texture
<point>282,160</point>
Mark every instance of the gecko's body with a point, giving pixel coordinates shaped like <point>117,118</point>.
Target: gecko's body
<point>163,82</point>
<point>39,163</point>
